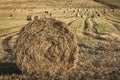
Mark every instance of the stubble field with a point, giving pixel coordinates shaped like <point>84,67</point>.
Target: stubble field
<point>95,25</point>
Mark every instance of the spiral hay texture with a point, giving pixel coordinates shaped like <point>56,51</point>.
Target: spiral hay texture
<point>45,45</point>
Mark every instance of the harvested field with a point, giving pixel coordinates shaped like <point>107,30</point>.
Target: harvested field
<point>59,40</point>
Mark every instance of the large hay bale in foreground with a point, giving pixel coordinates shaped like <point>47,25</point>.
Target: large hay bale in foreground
<point>45,45</point>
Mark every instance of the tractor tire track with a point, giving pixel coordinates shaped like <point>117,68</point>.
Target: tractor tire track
<point>90,28</point>
<point>106,35</point>
<point>115,24</point>
<point>87,25</point>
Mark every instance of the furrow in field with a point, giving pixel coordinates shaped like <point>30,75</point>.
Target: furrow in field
<point>90,27</point>
<point>77,25</point>
<point>111,17</point>
<point>114,23</point>
<point>107,29</point>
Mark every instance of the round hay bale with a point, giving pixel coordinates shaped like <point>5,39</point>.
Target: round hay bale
<point>46,45</point>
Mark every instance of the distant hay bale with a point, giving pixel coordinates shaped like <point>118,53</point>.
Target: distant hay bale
<point>11,15</point>
<point>104,9</point>
<point>36,18</point>
<point>29,17</point>
<point>92,16</point>
<point>46,12</point>
<point>73,10</point>
<point>113,10</point>
<point>78,15</point>
<point>81,16</point>
<point>104,12</point>
<point>86,9</point>
<point>50,14</point>
<point>46,45</point>
<point>98,15</point>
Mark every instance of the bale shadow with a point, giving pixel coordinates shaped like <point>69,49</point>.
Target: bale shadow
<point>9,69</point>
<point>6,45</point>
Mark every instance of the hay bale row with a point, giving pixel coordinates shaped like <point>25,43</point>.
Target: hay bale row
<point>46,12</point>
<point>46,45</point>
<point>29,17</point>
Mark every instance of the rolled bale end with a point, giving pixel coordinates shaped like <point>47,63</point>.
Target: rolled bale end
<point>46,45</point>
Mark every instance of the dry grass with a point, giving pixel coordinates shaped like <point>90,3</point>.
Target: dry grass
<point>9,26</point>
<point>98,57</point>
